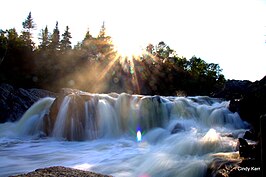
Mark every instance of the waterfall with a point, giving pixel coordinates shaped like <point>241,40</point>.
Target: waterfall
<point>31,122</point>
<point>92,116</point>
<point>109,125</point>
<point>90,119</point>
<point>61,118</point>
<point>122,134</point>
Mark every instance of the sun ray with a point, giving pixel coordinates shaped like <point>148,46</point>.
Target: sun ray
<point>108,67</point>
<point>135,80</point>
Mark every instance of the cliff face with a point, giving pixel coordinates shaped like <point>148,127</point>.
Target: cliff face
<point>15,101</point>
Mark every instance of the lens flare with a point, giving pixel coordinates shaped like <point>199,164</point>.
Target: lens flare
<point>139,136</point>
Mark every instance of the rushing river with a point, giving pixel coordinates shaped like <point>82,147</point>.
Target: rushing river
<point>177,136</point>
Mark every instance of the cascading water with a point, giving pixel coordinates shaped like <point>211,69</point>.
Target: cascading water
<point>177,136</point>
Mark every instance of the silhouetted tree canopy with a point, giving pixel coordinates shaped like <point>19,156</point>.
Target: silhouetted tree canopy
<point>93,65</point>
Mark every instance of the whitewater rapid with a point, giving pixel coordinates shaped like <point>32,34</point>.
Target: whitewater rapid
<point>98,132</point>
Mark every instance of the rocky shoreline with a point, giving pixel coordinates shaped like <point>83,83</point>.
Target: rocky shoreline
<point>59,171</point>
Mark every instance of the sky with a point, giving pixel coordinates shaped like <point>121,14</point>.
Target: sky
<point>231,33</point>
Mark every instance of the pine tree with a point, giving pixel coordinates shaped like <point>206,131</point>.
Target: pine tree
<point>65,42</point>
<point>28,26</point>
<point>45,39</point>
<point>88,35</point>
<point>88,43</point>
<point>102,33</point>
<point>55,39</point>
<point>104,43</point>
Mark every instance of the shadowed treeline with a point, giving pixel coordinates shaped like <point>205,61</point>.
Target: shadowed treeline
<point>94,65</point>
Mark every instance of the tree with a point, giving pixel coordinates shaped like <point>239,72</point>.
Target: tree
<point>163,51</point>
<point>87,41</point>
<point>102,33</point>
<point>26,36</point>
<point>65,42</point>
<point>104,43</point>
<point>88,36</point>
<point>55,39</point>
<point>3,45</point>
<point>45,39</point>
<point>197,67</point>
<point>13,39</point>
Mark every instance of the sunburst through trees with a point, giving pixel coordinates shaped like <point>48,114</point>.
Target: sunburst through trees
<point>97,64</point>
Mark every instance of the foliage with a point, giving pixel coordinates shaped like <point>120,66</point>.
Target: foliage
<point>26,36</point>
<point>65,42</point>
<point>44,39</point>
<point>55,39</point>
<point>93,65</point>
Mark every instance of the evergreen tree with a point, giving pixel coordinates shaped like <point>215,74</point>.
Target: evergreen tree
<point>104,43</point>
<point>45,39</point>
<point>3,45</point>
<point>87,41</point>
<point>55,39</point>
<point>13,39</point>
<point>65,42</point>
<point>102,33</point>
<point>28,26</point>
<point>78,46</point>
<point>88,35</point>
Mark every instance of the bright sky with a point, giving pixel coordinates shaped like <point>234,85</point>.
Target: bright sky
<point>231,33</point>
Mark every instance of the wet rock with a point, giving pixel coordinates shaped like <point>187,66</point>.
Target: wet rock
<point>74,115</point>
<point>178,128</point>
<point>61,171</point>
<point>15,101</point>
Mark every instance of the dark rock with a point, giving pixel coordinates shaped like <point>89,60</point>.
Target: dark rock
<point>61,171</point>
<point>247,99</point>
<point>249,151</point>
<point>233,89</point>
<point>15,101</point>
<point>250,135</point>
<point>178,128</point>
<point>222,167</point>
<point>244,148</point>
<point>247,168</point>
<point>234,105</point>
<point>253,103</point>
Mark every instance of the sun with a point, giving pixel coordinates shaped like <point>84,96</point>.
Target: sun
<point>128,48</point>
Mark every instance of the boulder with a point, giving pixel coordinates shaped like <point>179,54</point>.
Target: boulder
<point>61,171</point>
<point>74,125</point>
